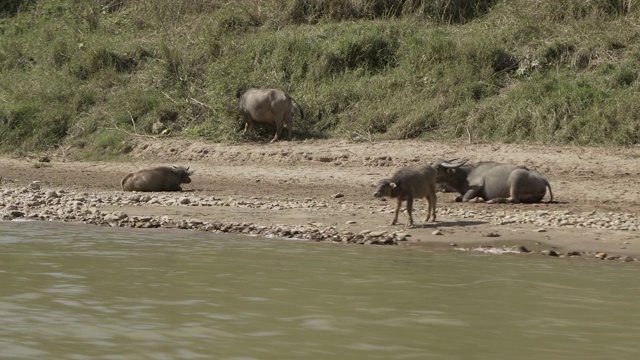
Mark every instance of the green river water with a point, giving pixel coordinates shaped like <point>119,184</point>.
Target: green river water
<point>84,292</point>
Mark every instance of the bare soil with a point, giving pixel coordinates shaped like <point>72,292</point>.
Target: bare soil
<point>598,180</point>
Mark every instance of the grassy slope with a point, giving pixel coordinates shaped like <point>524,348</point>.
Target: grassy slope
<point>83,73</point>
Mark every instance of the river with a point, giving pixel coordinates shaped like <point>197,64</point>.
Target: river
<point>84,292</point>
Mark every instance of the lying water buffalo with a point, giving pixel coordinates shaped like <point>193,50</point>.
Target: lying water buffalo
<point>268,106</point>
<point>162,178</point>
<point>409,183</point>
<point>493,182</point>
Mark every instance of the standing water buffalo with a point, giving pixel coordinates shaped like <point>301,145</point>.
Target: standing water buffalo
<point>409,183</point>
<point>268,106</point>
<point>162,178</point>
<point>493,182</point>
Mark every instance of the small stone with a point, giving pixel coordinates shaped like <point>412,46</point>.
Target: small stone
<point>549,253</point>
<point>540,230</point>
<point>34,185</point>
<point>157,127</point>
<point>115,216</point>
<point>16,213</point>
<point>437,232</point>
<point>377,233</point>
<point>626,258</point>
<point>337,195</point>
<point>491,234</point>
<point>453,244</point>
<point>52,194</point>
<point>351,222</point>
<point>184,200</point>
<point>601,255</point>
<point>402,236</point>
<point>523,249</point>
<point>573,253</point>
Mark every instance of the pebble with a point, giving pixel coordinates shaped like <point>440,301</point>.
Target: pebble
<point>34,201</point>
<point>549,253</point>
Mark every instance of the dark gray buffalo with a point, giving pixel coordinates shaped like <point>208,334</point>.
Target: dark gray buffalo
<point>493,182</point>
<point>162,178</point>
<point>409,183</point>
<point>268,106</point>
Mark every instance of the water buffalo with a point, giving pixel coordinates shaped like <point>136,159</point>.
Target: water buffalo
<point>409,183</point>
<point>493,182</point>
<point>162,178</point>
<point>268,106</point>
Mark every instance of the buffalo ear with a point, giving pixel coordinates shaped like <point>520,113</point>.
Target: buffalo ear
<point>393,185</point>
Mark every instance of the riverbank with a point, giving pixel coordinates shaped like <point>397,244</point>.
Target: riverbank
<point>322,191</point>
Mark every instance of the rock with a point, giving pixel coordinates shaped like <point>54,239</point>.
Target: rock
<point>601,255</point>
<point>184,200</point>
<point>157,127</point>
<point>522,249</point>
<point>115,216</point>
<point>626,258</point>
<point>573,253</point>
<point>491,234</point>
<point>52,194</point>
<point>377,233</point>
<point>549,253</point>
<point>437,232</point>
<point>34,185</point>
<point>540,230</point>
<point>16,213</point>
<point>337,195</point>
<point>351,222</point>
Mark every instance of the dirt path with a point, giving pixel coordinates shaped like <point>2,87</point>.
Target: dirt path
<point>597,183</point>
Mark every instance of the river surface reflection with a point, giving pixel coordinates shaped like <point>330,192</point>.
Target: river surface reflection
<point>80,292</point>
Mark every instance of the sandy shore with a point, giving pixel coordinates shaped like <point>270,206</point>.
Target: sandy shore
<point>322,191</point>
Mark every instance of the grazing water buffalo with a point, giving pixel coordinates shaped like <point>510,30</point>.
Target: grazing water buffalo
<point>409,183</point>
<point>493,182</point>
<point>162,178</point>
<point>268,106</point>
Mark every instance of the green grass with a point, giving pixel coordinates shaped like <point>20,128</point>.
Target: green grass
<point>89,74</point>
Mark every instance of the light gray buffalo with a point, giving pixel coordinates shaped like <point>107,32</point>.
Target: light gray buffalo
<point>268,106</point>
<point>409,183</point>
<point>162,178</point>
<point>493,182</point>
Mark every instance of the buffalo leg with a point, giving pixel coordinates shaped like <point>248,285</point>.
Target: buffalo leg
<point>278,131</point>
<point>248,125</point>
<point>395,215</point>
<point>470,194</point>
<point>410,210</point>
<point>288,120</point>
<point>431,209</point>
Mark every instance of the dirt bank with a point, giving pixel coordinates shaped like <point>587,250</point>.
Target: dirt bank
<point>330,183</point>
